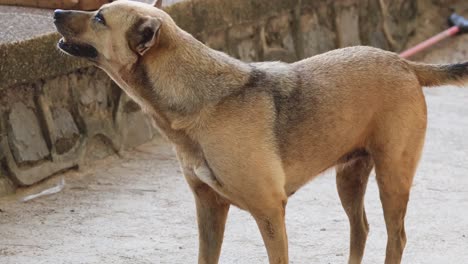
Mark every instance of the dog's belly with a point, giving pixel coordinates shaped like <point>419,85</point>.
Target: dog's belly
<point>300,173</point>
<point>312,147</point>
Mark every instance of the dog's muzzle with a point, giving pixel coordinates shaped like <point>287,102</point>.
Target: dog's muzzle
<point>78,49</point>
<point>69,42</point>
<point>59,14</point>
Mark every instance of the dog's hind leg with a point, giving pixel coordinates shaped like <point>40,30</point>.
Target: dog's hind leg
<point>212,211</point>
<point>394,178</point>
<point>351,182</point>
<point>396,152</point>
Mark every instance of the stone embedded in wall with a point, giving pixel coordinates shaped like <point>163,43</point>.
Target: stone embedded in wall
<point>241,32</point>
<point>317,38</point>
<point>400,12</point>
<point>246,51</point>
<point>55,123</point>
<point>277,39</point>
<point>57,91</point>
<point>91,95</point>
<point>2,153</point>
<point>66,133</point>
<point>139,130</point>
<point>93,87</point>
<point>135,126</point>
<point>98,147</point>
<point>2,137</point>
<point>25,136</point>
<point>6,186</point>
<point>23,169</point>
<point>277,29</point>
<point>371,32</point>
<point>56,102</point>
<point>96,103</point>
<point>216,40</point>
<point>244,42</point>
<point>347,26</point>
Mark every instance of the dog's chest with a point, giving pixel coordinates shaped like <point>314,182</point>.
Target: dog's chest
<point>196,167</point>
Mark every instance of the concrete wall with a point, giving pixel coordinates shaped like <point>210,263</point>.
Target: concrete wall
<point>57,112</point>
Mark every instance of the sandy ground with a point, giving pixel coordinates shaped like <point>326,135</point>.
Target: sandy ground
<point>138,209</point>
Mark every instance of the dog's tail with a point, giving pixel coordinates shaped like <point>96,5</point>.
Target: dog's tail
<point>440,74</point>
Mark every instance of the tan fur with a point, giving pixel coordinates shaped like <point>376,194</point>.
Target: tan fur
<point>252,134</point>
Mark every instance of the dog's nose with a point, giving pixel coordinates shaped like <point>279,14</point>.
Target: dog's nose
<point>59,13</point>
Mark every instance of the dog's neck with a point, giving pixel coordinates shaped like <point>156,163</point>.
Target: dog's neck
<point>190,75</point>
<point>176,84</point>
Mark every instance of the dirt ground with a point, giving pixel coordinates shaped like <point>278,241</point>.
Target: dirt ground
<point>138,209</point>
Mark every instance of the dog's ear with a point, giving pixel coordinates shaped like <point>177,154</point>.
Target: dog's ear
<point>144,34</point>
<point>158,4</point>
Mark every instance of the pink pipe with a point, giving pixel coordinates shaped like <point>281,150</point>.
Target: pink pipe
<point>427,43</point>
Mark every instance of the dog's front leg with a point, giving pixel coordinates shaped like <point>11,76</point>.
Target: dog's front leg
<point>271,222</point>
<point>212,212</point>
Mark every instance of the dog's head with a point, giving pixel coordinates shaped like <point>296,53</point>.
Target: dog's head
<point>116,35</point>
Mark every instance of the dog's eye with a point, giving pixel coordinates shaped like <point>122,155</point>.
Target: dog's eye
<point>99,18</point>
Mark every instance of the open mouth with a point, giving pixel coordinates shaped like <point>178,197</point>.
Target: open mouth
<point>78,49</point>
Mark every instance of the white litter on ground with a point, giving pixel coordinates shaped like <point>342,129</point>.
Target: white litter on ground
<point>56,189</point>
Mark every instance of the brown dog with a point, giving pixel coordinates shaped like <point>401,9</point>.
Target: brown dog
<point>252,134</point>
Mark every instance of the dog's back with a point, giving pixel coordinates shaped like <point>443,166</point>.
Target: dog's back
<point>333,104</point>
